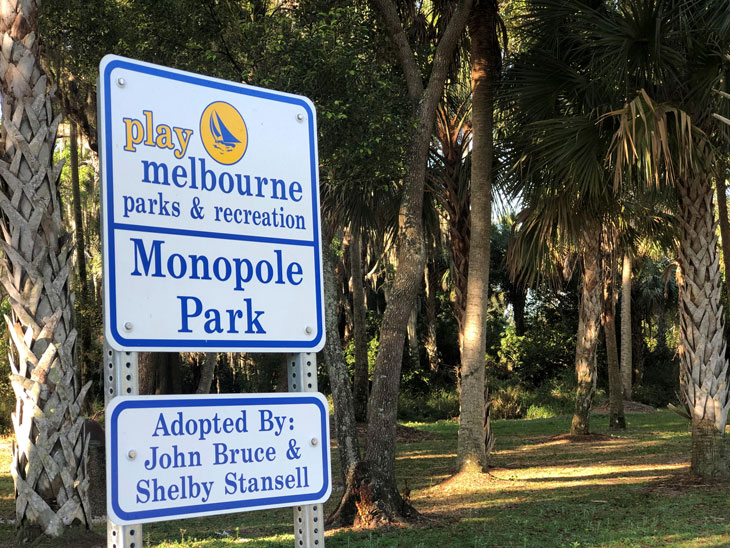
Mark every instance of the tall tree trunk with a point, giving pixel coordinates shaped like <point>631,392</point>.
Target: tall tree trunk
<point>616,420</point>
<point>387,504</point>
<point>50,448</point>
<point>637,347</point>
<point>724,222</point>
<point>147,373</point>
<point>84,327</point>
<point>519,298</point>
<point>589,319</point>
<point>345,425</point>
<point>77,207</point>
<point>206,373</point>
<point>361,377</point>
<point>701,344</point>
<point>661,330</point>
<point>412,332</point>
<point>459,221</point>
<point>474,436</point>
<point>431,281</point>
<point>626,340</point>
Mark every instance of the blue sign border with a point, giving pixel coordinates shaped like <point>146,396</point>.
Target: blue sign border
<point>112,225</point>
<point>220,507</point>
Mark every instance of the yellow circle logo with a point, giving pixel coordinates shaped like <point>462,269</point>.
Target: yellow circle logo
<point>223,133</point>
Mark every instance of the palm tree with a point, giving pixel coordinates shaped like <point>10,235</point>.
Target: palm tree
<point>449,181</point>
<point>475,437</point>
<point>673,52</point>
<point>558,152</point>
<point>50,448</point>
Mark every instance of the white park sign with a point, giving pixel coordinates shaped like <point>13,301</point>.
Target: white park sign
<point>172,457</point>
<point>211,213</point>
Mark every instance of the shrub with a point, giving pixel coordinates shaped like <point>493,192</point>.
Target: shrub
<point>436,405</point>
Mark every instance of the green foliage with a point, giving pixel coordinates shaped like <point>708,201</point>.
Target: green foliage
<point>435,405</point>
<point>659,385</point>
<point>7,396</point>
<point>514,400</point>
<point>532,374</point>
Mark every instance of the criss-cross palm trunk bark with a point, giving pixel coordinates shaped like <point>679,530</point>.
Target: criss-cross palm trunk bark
<point>701,345</point>
<point>474,433</point>
<point>589,319</point>
<point>50,449</point>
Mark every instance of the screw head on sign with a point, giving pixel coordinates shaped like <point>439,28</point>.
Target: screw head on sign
<point>308,330</point>
<point>132,454</point>
<point>121,82</point>
<point>314,442</point>
<point>300,117</point>
<point>128,326</point>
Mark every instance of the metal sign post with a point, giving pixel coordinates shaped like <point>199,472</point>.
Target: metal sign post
<point>120,379</point>
<point>308,519</point>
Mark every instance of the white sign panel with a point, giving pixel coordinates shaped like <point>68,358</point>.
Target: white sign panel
<point>174,457</point>
<point>211,213</point>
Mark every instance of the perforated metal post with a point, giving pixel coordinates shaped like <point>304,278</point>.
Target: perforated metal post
<point>308,519</point>
<point>120,379</point>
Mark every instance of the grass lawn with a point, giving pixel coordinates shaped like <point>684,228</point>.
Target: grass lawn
<point>544,490</point>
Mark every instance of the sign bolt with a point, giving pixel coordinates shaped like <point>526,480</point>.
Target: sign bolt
<point>132,454</point>
<point>314,442</point>
<point>300,117</point>
<point>121,82</point>
<point>128,326</point>
<point>308,330</point>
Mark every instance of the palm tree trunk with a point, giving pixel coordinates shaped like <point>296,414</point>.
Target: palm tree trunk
<point>626,341</point>
<point>701,344</point>
<point>637,347</point>
<point>589,318</point>
<point>50,448</point>
<point>473,441</point>
<point>724,222</point>
<point>361,377</point>
<point>616,420</point>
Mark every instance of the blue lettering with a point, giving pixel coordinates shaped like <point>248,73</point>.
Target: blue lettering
<point>186,313</point>
<point>220,453</point>
<point>158,173</point>
<point>253,324</point>
<point>230,482</point>
<point>294,269</point>
<point>161,425</point>
<point>142,490</point>
<point>139,252</point>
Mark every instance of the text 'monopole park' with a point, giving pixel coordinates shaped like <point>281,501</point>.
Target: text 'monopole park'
<point>211,213</point>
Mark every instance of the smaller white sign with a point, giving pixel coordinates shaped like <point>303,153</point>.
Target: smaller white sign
<point>173,457</point>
